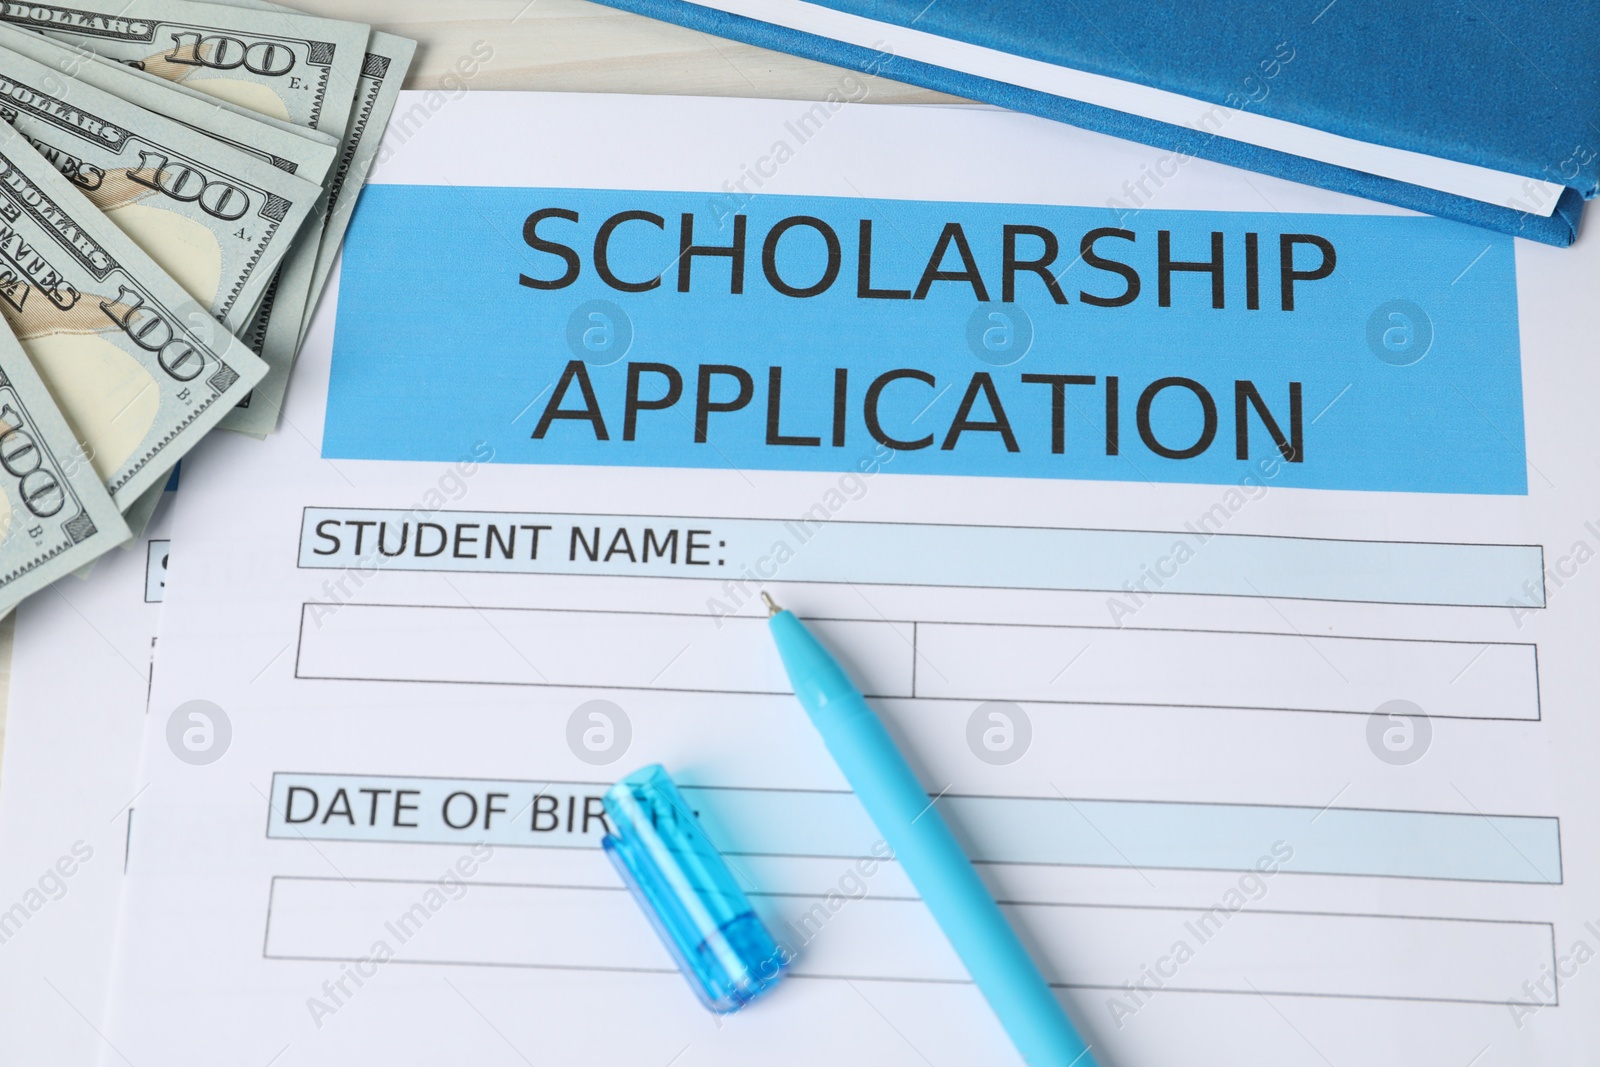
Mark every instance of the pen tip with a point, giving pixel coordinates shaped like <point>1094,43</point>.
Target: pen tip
<point>772,605</point>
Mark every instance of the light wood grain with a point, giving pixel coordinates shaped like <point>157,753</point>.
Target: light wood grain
<point>574,46</point>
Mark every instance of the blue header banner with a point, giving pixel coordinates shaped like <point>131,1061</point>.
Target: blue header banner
<point>669,329</point>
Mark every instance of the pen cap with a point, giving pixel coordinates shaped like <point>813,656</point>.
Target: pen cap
<point>688,892</point>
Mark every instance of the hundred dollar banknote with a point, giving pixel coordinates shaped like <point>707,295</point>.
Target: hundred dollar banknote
<point>298,68</point>
<point>294,67</point>
<point>139,368</point>
<point>55,515</point>
<point>217,219</point>
<point>297,150</point>
<point>70,59</point>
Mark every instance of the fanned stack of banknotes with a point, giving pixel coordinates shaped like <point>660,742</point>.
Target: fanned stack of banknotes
<point>175,181</point>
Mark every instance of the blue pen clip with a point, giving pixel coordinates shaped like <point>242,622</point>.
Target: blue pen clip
<point>686,889</point>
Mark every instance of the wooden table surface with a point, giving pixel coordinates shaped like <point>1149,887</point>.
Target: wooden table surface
<point>573,46</point>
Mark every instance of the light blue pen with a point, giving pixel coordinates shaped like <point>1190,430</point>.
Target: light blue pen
<point>925,847</point>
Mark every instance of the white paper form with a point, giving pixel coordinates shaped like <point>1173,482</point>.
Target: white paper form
<point>80,681</point>
<point>1274,760</point>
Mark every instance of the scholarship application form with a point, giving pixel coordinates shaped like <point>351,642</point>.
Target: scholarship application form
<point>1220,551</point>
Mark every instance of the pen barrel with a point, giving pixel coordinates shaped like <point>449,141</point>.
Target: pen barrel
<point>938,867</point>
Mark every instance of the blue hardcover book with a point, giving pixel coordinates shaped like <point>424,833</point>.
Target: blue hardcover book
<point>1482,111</point>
